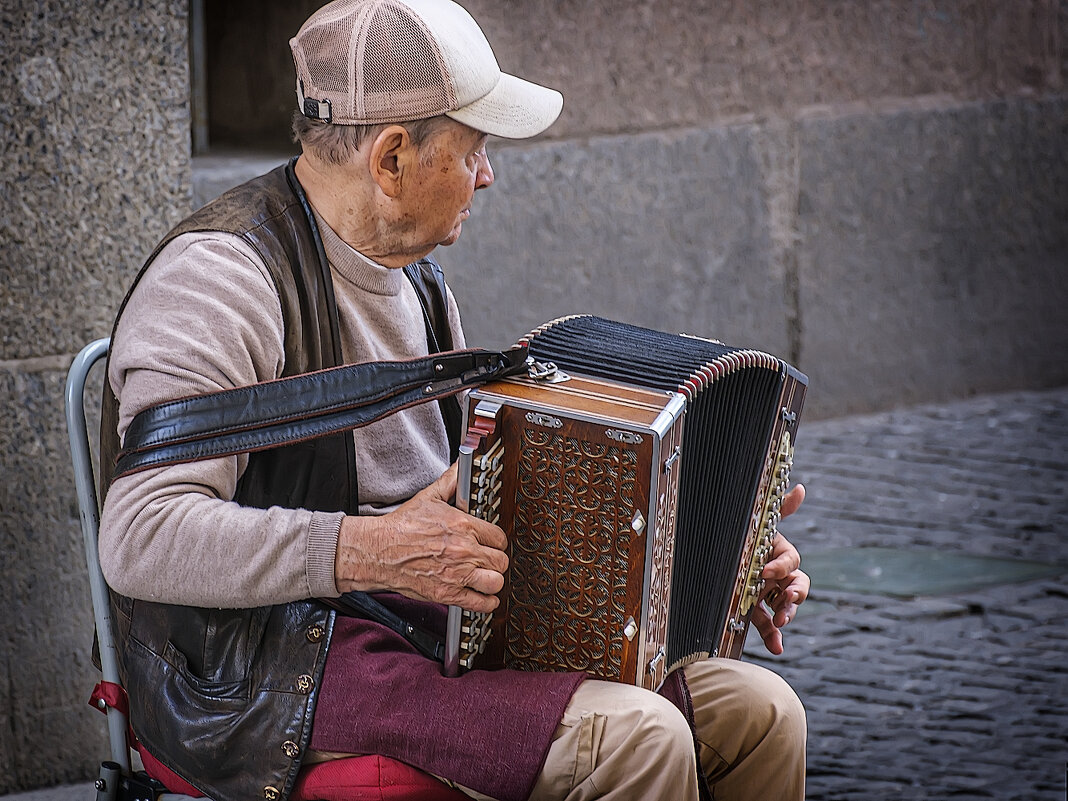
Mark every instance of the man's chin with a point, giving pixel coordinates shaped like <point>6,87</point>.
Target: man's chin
<point>454,234</point>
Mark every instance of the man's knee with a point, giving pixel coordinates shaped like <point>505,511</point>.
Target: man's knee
<point>750,697</point>
<point>664,725</point>
<point>751,728</point>
<point>776,705</point>
<point>638,721</point>
<point>616,738</point>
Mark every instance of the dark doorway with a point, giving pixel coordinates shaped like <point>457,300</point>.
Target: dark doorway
<point>242,73</point>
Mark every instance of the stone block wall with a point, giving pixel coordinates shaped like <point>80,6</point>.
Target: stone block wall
<point>95,148</point>
<point>933,252</point>
<point>876,191</point>
<point>897,256</point>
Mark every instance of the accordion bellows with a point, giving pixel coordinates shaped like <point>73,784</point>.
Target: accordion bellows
<point>640,497</point>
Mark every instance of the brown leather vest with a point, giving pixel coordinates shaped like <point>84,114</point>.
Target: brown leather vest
<point>225,697</point>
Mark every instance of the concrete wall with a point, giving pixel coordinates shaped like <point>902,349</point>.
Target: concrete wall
<point>877,191</point>
<point>95,144</point>
<point>933,252</point>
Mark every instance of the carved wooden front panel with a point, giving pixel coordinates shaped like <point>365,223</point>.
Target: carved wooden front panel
<point>571,553</point>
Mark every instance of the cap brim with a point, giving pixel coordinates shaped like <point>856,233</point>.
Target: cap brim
<point>514,109</point>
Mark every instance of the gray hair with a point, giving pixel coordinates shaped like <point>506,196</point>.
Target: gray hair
<point>339,144</point>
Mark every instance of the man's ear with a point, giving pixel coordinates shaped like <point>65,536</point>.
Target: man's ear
<point>389,157</point>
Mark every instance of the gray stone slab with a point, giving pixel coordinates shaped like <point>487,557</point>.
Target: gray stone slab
<point>871,249</point>
<point>664,230</point>
<point>912,572</point>
<point>95,143</point>
<point>221,170</point>
<point>933,252</point>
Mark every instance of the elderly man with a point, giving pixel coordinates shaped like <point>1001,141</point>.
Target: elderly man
<point>217,565</point>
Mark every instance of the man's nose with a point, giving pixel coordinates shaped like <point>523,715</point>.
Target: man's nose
<point>485,172</point>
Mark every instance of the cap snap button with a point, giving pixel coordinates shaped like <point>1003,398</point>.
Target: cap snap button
<point>315,633</point>
<point>305,683</point>
<point>270,793</point>
<point>290,749</point>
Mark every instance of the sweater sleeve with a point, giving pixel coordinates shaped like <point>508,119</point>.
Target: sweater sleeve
<point>205,317</point>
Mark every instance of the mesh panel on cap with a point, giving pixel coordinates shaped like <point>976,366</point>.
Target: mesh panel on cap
<point>403,76</point>
<point>327,69</point>
<point>374,62</point>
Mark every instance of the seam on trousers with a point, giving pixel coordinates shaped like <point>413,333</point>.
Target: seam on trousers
<point>590,731</point>
<point>723,767</point>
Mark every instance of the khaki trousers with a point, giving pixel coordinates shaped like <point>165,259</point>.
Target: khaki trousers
<point>621,742</point>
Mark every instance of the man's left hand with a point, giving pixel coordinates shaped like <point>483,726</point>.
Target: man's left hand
<point>786,585</point>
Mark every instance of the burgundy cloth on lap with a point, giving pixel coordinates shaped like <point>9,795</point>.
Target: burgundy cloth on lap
<point>487,730</point>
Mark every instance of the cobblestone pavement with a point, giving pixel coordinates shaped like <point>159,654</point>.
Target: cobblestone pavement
<point>937,696</point>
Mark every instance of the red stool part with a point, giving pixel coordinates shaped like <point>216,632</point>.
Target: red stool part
<point>370,778</point>
<point>356,778</point>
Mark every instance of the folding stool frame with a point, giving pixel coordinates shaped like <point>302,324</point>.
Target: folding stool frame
<point>117,782</point>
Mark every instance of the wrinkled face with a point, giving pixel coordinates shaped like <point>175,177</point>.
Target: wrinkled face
<point>453,165</point>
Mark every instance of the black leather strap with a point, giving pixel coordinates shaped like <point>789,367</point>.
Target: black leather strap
<point>362,604</point>
<point>302,407</point>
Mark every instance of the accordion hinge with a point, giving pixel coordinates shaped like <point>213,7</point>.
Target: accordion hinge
<point>543,420</point>
<point>624,437</point>
<point>670,461</point>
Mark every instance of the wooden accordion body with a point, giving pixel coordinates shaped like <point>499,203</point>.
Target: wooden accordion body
<point>640,495</point>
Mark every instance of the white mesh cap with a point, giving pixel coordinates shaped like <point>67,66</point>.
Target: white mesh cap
<point>364,62</point>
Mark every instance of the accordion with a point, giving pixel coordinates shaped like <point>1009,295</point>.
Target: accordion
<point>638,476</point>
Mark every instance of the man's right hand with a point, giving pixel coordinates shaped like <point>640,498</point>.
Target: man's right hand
<point>427,549</point>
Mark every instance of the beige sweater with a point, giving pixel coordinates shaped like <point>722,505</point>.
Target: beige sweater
<point>206,317</point>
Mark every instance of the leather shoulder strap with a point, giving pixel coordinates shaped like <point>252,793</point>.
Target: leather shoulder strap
<point>301,408</point>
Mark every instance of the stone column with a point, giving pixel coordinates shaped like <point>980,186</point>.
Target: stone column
<point>95,151</point>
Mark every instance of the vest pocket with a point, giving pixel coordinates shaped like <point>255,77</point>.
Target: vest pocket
<point>232,639</point>
<point>179,716</point>
<point>237,690</point>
